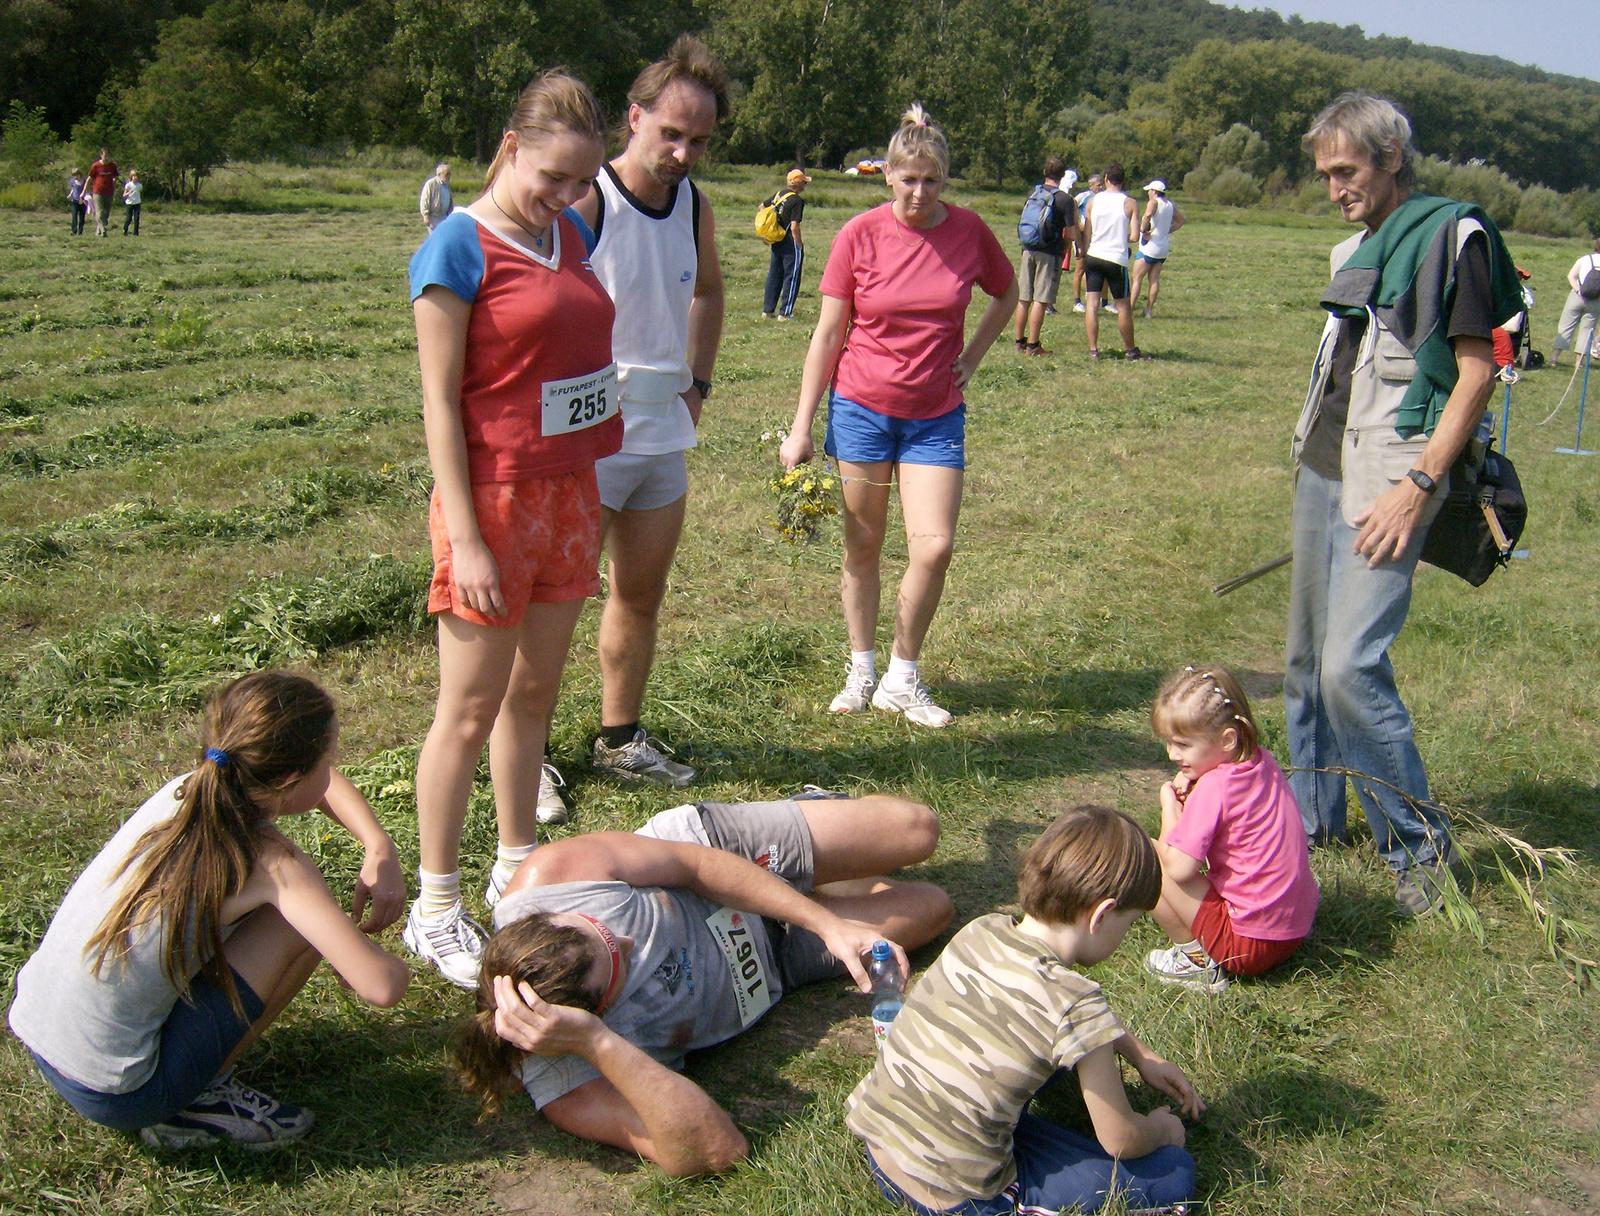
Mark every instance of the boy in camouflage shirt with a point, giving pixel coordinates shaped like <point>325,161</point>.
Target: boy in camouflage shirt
<point>943,1113</point>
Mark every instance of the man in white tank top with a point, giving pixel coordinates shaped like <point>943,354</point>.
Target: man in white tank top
<point>656,253</point>
<point>1111,227</point>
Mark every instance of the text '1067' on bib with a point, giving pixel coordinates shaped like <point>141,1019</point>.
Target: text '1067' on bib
<point>577,403</point>
<point>750,986</point>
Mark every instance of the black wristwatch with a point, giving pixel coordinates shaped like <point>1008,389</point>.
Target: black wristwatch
<point>703,387</point>
<point>1421,480</point>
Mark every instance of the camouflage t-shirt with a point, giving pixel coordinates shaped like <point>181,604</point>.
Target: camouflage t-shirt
<point>984,1028</point>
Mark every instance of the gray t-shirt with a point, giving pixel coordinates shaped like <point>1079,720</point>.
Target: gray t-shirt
<point>101,1031</point>
<point>680,992</point>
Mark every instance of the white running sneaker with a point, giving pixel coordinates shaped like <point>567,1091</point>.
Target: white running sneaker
<point>452,942</point>
<point>228,1110</point>
<point>640,759</point>
<point>552,807</point>
<point>856,694</point>
<point>1078,307</point>
<point>916,703</point>
<point>1175,966</point>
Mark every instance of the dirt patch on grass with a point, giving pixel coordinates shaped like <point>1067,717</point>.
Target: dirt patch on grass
<point>557,1188</point>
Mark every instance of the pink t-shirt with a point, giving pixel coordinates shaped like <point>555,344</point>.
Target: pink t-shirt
<point>908,291</point>
<point>1243,822</point>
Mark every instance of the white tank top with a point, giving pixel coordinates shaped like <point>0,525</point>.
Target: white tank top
<point>647,260</point>
<point>1108,227</point>
<point>1160,243</point>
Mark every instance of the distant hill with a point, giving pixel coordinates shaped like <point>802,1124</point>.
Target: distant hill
<point>1137,40</point>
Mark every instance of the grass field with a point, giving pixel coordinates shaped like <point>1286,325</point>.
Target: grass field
<point>211,459</point>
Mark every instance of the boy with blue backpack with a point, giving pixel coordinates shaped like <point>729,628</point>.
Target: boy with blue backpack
<point>1049,221</point>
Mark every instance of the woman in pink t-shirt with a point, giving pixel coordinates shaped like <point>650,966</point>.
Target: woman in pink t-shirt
<point>890,341</point>
<point>1229,810</point>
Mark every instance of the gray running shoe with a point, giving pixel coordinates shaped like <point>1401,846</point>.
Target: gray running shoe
<point>552,807</point>
<point>452,942</point>
<point>815,793</point>
<point>916,703</point>
<point>228,1110</point>
<point>1417,891</point>
<point>856,695</point>
<point>640,759</point>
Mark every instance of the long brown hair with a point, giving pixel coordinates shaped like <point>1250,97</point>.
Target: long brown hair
<point>263,732</point>
<point>555,961</point>
<point>553,101</point>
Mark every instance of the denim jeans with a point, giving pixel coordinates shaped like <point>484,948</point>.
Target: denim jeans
<point>783,277</point>
<point>1343,708</point>
<point>1059,1170</point>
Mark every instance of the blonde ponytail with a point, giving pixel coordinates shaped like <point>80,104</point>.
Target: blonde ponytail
<point>918,139</point>
<point>553,101</point>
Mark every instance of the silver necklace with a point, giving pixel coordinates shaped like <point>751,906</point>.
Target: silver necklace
<point>536,237</point>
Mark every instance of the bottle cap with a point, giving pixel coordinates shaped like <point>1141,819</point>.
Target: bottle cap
<point>882,950</point>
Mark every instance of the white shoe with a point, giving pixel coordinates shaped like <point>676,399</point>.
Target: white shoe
<point>452,942</point>
<point>1174,966</point>
<point>916,703</point>
<point>552,807</point>
<point>856,694</point>
<point>1078,307</point>
<point>641,759</point>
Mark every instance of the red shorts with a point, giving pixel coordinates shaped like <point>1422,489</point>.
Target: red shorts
<point>1238,955</point>
<point>545,537</point>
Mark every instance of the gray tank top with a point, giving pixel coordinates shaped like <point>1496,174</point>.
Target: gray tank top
<point>102,1031</point>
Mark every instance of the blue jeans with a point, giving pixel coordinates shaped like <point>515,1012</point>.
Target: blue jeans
<point>1343,708</point>
<point>783,277</point>
<point>1058,1169</point>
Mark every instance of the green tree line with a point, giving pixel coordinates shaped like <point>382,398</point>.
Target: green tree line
<point>187,85</point>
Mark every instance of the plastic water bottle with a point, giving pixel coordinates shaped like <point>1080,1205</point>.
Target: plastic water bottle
<point>887,990</point>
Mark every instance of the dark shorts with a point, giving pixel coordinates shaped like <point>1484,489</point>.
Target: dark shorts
<point>1102,276</point>
<point>1236,953</point>
<point>198,1035</point>
<point>864,436</point>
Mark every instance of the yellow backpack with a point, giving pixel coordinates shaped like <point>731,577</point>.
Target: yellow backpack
<point>768,226</point>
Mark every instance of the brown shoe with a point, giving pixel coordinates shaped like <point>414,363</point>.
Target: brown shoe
<point>1034,348</point>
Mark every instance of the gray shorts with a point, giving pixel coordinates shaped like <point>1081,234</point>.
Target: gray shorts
<point>641,483</point>
<point>1041,275</point>
<point>773,835</point>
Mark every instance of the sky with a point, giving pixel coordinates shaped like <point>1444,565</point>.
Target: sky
<point>1556,35</point>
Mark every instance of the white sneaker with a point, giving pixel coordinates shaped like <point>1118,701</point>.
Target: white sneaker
<point>552,807</point>
<point>1174,966</point>
<point>856,694</point>
<point>640,759</point>
<point>452,942</point>
<point>916,703</point>
<point>1078,307</point>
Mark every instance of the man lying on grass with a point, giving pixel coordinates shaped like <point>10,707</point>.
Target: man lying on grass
<point>614,954</point>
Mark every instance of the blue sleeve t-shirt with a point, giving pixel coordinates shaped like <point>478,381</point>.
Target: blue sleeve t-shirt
<point>451,257</point>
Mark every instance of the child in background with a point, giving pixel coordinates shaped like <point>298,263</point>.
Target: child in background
<point>1230,811</point>
<point>77,200</point>
<point>943,1113</point>
<point>132,196</point>
<point>198,923</point>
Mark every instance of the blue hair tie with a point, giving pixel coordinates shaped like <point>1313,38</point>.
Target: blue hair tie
<point>217,756</point>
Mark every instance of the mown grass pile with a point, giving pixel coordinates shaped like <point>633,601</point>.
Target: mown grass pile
<point>211,460</point>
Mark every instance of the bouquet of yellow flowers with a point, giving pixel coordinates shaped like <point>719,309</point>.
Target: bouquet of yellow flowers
<point>805,498</point>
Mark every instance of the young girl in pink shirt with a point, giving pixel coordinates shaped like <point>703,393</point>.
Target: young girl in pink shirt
<point>1237,893</point>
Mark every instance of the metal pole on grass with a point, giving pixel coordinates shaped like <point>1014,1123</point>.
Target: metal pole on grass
<point>1577,448</point>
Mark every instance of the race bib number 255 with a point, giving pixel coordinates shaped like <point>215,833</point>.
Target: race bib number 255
<point>578,403</point>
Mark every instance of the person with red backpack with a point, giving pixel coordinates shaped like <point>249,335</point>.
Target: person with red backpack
<point>1583,301</point>
<point>1048,222</point>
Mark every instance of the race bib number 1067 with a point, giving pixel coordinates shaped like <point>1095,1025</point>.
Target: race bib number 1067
<point>751,988</point>
<point>578,403</point>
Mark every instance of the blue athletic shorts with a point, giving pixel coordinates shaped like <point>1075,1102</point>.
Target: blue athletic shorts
<point>196,1038</point>
<point>864,436</point>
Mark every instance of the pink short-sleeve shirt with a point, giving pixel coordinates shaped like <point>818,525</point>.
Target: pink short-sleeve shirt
<point>908,291</point>
<point>1243,822</point>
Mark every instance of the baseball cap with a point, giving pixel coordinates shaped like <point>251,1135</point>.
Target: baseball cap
<point>796,176</point>
<point>1157,185</point>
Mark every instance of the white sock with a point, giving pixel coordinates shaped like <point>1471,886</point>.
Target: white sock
<point>1196,952</point>
<point>865,660</point>
<point>902,673</point>
<point>507,857</point>
<point>440,892</point>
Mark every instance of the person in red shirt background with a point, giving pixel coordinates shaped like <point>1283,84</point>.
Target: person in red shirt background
<point>890,341</point>
<point>102,185</point>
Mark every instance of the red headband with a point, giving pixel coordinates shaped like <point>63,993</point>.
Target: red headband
<point>616,961</point>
